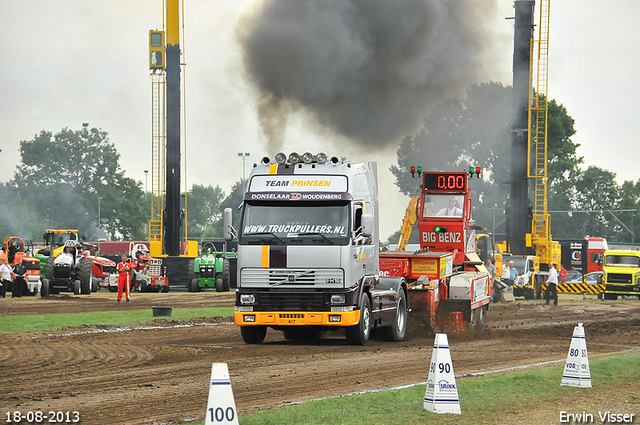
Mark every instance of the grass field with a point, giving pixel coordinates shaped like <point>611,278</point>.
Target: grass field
<point>499,398</point>
<point>47,322</point>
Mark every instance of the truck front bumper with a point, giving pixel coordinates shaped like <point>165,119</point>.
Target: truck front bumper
<point>297,318</point>
<point>622,289</point>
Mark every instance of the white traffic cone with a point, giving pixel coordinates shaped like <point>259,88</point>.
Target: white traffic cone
<point>576,369</point>
<point>442,393</point>
<point>221,406</point>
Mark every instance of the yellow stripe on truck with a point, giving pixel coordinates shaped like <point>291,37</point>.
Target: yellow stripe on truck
<point>296,318</point>
<point>273,168</point>
<point>265,256</point>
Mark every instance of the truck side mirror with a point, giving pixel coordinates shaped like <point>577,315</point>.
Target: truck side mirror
<point>367,225</point>
<point>227,225</point>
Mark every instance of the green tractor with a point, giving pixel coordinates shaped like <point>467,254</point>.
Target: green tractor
<point>210,269</point>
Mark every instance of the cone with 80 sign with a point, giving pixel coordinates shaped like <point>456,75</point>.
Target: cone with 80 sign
<point>576,369</point>
<point>442,393</point>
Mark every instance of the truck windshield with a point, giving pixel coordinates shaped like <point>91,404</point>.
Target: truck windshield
<point>443,205</point>
<point>622,261</point>
<point>300,222</point>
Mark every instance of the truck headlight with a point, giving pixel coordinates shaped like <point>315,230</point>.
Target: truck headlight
<point>247,299</point>
<point>338,299</point>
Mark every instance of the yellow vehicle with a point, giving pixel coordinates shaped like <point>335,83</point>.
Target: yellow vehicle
<point>621,274</point>
<point>54,240</point>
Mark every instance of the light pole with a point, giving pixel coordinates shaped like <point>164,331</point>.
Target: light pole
<point>146,174</point>
<point>243,156</point>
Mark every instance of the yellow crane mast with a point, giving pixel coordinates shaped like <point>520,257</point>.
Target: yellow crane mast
<point>540,237</point>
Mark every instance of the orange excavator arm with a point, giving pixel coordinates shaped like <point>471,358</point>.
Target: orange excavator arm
<point>410,217</point>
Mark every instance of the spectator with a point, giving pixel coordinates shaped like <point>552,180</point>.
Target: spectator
<point>491,268</point>
<point>513,272</point>
<point>506,273</point>
<point>19,284</point>
<point>5,277</point>
<point>552,285</point>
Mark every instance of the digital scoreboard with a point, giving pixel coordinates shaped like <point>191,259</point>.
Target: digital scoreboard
<point>445,181</point>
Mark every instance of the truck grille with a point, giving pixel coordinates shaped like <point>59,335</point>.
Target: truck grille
<point>326,278</point>
<point>308,301</point>
<point>620,278</point>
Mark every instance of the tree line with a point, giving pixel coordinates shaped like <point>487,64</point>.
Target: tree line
<point>65,180</point>
<point>63,177</point>
<point>476,132</point>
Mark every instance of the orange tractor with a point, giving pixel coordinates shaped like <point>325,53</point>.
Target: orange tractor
<point>14,249</point>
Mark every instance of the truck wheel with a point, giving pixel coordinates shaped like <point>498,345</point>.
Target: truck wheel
<point>77,290</point>
<point>479,317</point>
<point>44,291</point>
<point>165,289</point>
<point>194,287</point>
<point>359,334</point>
<point>610,296</point>
<point>253,334</point>
<point>143,286</point>
<point>113,289</point>
<point>397,330</point>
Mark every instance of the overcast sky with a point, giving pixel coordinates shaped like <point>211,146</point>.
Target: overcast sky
<point>64,63</point>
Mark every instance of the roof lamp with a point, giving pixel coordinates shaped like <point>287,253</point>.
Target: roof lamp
<point>281,158</point>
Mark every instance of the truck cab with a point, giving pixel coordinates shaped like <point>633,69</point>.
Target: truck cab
<point>308,251</point>
<point>621,274</point>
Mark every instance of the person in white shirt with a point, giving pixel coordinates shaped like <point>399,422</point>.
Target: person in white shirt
<point>451,209</point>
<point>5,277</point>
<point>506,273</point>
<point>552,285</point>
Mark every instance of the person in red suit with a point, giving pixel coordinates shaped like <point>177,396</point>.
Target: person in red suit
<point>124,278</point>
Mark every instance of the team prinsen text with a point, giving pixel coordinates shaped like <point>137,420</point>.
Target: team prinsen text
<point>299,183</point>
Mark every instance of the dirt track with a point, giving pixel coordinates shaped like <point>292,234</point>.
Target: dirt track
<point>159,373</point>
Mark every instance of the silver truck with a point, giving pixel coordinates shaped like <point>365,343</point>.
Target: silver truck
<point>308,252</point>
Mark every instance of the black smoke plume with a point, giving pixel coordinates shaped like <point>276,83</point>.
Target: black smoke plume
<point>368,70</point>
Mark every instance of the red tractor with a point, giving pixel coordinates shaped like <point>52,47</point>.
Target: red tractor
<point>105,274</point>
<point>149,271</point>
